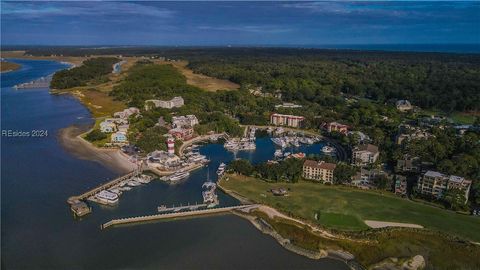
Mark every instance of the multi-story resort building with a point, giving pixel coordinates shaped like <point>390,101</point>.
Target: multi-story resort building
<point>335,126</point>
<point>175,102</point>
<point>183,133</point>
<point>365,154</point>
<point>182,121</point>
<point>119,137</point>
<point>435,184</point>
<point>286,120</point>
<point>318,170</point>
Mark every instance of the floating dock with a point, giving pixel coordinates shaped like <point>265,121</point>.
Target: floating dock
<point>140,219</point>
<point>43,82</point>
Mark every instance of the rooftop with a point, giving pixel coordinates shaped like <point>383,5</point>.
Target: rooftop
<point>320,164</point>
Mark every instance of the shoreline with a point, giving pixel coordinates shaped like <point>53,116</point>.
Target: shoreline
<point>71,141</point>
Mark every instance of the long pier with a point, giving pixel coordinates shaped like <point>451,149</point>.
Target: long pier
<point>139,219</point>
<point>43,82</point>
<point>94,191</point>
<point>182,207</point>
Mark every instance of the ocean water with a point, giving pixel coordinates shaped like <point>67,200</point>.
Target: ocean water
<point>38,175</point>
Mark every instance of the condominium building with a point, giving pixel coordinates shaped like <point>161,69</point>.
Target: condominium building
<point>435,184</point>
<point>318,170</point>
<point>335,126</point>
<point>182,121</point>
<point>286,120</point>
<point>365,154</point>
<point>175,102</point>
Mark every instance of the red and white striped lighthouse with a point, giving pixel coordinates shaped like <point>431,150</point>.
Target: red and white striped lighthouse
<point>171,146</point>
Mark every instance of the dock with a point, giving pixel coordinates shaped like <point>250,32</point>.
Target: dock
<point>43,82</point>
<point>182,207</point>
<point>139,219</point>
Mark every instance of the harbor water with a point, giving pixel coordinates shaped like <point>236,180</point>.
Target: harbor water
<point>38,175</point>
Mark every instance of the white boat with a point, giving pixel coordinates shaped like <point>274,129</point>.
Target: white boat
<point>116,191</point>
<point>328,149</point>
<point>107,197</point>
<point>133,183</point>
<point>126,188</point>
<point>278,153</point>
<point>221,168</point>
<point>280,142</point>
<point>178,176</point>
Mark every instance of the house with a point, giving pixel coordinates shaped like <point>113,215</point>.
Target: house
<point>337,127</point>
<point>286,120</point>
<point>119,137</point>
<point>181,121</point>
<point>107,127</point>
<point>123,128</point>
<point>125,114</point>
<point>400,185</point>
<point>404,105</point>
<point>408,164</point>
<point>318,170</point>
<point>175,102</point>
<point>365,154</point>
<point>362,137</point>
<point>435,184</point>
<point>365,178</point>
<point>163,160</point>
<point>182,133</point>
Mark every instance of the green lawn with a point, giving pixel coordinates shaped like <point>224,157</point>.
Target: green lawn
<point>345,208</point>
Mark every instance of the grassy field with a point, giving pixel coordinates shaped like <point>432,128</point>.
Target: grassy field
<point>8,66</point>
<point>203,81</point>
<point>345,208</point>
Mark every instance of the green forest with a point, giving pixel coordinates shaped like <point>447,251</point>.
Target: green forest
<point>92,71</point>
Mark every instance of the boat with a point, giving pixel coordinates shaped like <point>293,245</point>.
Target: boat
<point>295,143</point>
<point>162,208</point>
<point>107,197</point>
<point>126,188</point>
<point>328,149</point>
<point>221,168</point>
<point>133,183</point>
<point>178,176</point>
<point>278,153</point>
<point>116,191</point>
<point>280,142</point>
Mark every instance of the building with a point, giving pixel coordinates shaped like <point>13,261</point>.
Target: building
<point>125,114</point>
<point>404,105</point>
<point>175,102</point>
<point>286,120</point>
<point>182,121</point>
<point>171,146</point>
<point>337,127</point>
<point>365,178</point>
<point>119,137</point>
<point>400,185</point>
<point>435,184</point>
<point>318,170</point>
<point>182,133</point>
<point>123,128</point>
<point>107,127</point>
<point>163,160</point>
<point>288,105</point>
<point>365,154</point>
<point>408,164</point>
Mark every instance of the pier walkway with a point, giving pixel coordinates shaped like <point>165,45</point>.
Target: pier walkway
<point>94,191</point>
<point>182,207</point>
<point>139,219</point>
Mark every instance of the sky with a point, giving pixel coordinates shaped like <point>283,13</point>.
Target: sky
<point>239,23</point>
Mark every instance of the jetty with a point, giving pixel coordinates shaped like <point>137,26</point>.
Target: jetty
<point>75,201</point>
<point>182,207</point>
<point>139,219</point>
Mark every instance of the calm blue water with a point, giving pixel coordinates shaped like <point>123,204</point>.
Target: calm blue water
<point>39,232</point>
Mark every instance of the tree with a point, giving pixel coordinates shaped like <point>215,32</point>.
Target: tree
<point>95,135</point>
<point>343,173</point>
<point>455,199</point>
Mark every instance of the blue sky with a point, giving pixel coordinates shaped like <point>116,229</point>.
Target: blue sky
<point>239,23</point>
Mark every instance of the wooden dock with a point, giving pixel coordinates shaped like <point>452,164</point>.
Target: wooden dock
<point>75,199</point>
<point>139,219</point>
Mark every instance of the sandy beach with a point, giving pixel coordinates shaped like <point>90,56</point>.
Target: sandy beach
<point>114,159</point>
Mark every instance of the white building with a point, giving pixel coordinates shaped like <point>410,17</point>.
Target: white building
<point>119,137</point>
<point>123,128</point>
<point>404,105</point>
<point>365,154</point>
<point>288,105</point>
<point>435,184</point>
<point>163,160</point>
<point>175,102</point>
<point>107,127</point>
<point>182,121</point>
<point>126,113</point>
<point>286,120</point>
